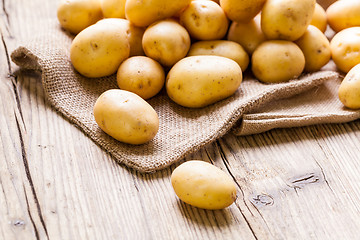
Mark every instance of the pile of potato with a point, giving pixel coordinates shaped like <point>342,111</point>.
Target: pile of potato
<point>199,49</point>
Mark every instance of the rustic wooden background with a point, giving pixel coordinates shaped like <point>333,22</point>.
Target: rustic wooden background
<point>55,183</point>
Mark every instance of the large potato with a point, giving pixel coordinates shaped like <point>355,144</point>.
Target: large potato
<point>319,18</point>
<point>343,14</point>
<point>198,81</point>
<point>203,185</point>
<point>277,61</point>
<point>345,48</point>
<point>316,48</point>
<point>141,75</point>
<point>98,50</point>
<point>204,20</point>
<point>126,117</point>
<point>349,90</point>
<point>241,10</point>
<point>76,15</point>
<point>286,19</point>
<point>166,41</point>
<point>145,12</point>
<point>113,8</point>
<point>222,48</point>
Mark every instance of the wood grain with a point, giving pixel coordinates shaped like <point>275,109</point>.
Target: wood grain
<point>55,183</point>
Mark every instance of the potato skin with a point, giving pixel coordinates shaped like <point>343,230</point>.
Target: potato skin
<point>98,50</point>
<point>343,14</point>
<point>277,61</point>
<point>286,19</point>
<point>198,81</point>
<point>241,10</point>
<point>349,90</point>
<point>203,185</point>
<point>113,8</point>
<point>319,18</point>
<point>141,75</point>
<point>76,15</point>
<point>126,117</point>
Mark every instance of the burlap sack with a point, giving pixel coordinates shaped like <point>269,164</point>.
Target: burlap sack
<point>182,130</point>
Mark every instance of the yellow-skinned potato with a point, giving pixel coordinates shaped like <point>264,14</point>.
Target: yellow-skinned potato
<point>319,18</point>
<point>277,61</point>
<point>222,48</point>
<point>76,15</point>
<point>98,50</point>
<point>241,10</point>
<point>198,81</point>
<point>113,8</point>
<point>249,35</point>
<point>145,12</point>
<point>316,48</point>
<point>286,19</point>
<point>203,185</point>
<point>141,75</point>
<point>166,41</point>
<point>205,20</point>
<point>343,14</point>
<point>126,117</point>
<point>349,90</point>
<point>345,48</point>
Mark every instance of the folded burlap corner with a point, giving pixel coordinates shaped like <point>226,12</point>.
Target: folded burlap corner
<point>182,130</point>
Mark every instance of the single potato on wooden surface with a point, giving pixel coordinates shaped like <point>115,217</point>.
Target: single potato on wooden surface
<point>203,185</point>
<point>277,61</point>
<point>141,75</point>
<point>343,14</point>
<point>113,8</point>
<point>241,10</point>
<point>349,90</point>
<point>76,15</point>
<point>126,117</point>
<point>198,81</point>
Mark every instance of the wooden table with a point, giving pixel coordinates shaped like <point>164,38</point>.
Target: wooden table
<point>55,183</point>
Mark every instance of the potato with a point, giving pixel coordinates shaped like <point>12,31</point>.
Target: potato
<point>316,48</point>
<point>126,117</point>
<point>113,8</point>
<point>345,48</point>
<point>145,12</point>
<point>141,75</point>
<point>319,18</point>
<point>349,90</point>
<point>277,61</point>
<point>286,19</point>
<point>166,41</point>
<point>98,50</point>
<point>203,185</point>
<point>223,48</point>
<point>204,20</point>
<point>76,15</point>
<point>241,11</point>
<point>343,14</point>
<point>198,81</point>
<point>249,35</point>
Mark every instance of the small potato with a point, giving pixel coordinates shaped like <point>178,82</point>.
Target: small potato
<point>203,185</point>
<point>349,90</point>
<point>113,8</point>
<point>199,81</point>
<point>277,61</point>
<point>145,12</point>
<point>205,20</point>
<point>345,48</point>
<point>241,11</point>
<point>76,15</point>
<point>98,50</point>
<point>343,14</point>
<point>286,19</point>
<point>166,41</point>
<point>249,35</point>
<point>319,18</point>
<point>316,48</point>
<point>141,75</point>
<point>126,117</point>
<point>222,48</point>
